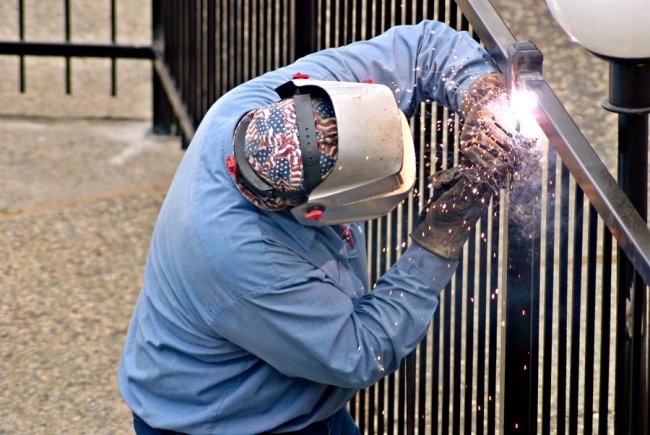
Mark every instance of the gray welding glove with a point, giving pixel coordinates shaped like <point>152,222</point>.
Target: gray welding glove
<point>490,138</point>
<point>459,199</point>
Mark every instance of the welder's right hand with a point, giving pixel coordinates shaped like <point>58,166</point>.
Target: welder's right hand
<point>490,138</point>
<point>460,198</point>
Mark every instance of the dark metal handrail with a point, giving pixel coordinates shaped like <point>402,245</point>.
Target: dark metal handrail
<point>76,49</point>
<point>590,173</point>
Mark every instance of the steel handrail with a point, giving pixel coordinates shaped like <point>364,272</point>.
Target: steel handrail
<point>604,193</point>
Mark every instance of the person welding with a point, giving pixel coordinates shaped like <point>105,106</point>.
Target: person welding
<point>256,314</point>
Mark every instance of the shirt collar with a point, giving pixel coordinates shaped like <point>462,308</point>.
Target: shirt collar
<point>303,235</point>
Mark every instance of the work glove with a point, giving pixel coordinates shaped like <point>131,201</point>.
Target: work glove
<point>460,197</point>
<point>490,138</point>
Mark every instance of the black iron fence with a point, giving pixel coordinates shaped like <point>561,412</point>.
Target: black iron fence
<point>543,333</point>
<point>68,49</point>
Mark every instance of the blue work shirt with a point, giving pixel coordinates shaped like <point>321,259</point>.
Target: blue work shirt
<point>250,322</point>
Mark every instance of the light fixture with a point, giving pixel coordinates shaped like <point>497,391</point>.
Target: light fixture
<point>608,28</point>
<point>619,31</point>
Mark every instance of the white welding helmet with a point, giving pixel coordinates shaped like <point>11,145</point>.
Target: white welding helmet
<point>375,163</point>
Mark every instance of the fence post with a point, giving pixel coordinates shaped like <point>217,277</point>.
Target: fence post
<point>162,111</point>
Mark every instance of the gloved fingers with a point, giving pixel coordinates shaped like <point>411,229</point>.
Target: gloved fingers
<point>462,182</point>
<point>443,180</point>
<point>500,136</point>
<point>461,206</point>
<point>446,177</point>
<point>485,154</point>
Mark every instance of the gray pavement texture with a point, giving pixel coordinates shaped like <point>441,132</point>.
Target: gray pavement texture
<point>81,182</point>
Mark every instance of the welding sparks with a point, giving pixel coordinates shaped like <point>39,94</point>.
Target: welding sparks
<point>524,103</point>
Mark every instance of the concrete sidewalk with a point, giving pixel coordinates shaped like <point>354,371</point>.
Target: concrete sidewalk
<point>79,201</point>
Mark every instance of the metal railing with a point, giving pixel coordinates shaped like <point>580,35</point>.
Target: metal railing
<point>68,49</point>
<point>533,334</point>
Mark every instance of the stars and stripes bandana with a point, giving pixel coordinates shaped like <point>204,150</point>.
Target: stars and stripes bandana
<point>272,148</point>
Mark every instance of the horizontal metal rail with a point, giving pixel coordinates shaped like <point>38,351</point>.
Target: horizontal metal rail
<point>72,49</point>
<point>590,173</point>
<point>111,51</point>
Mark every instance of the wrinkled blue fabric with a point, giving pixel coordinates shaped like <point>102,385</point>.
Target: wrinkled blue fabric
<point>249,322</point>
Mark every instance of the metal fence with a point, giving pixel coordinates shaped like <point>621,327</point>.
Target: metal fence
<point>543,333</point>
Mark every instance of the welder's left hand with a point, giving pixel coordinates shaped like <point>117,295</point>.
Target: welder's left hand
<point>460,197</point>
<point>489,138</point>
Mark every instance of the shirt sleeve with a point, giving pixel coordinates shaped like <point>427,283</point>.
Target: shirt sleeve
<point>425,62</point>
<point>306,327</point>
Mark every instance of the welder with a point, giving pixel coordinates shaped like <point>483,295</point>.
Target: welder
<point>256,314</point>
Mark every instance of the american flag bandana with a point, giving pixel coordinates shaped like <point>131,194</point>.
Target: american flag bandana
<point>272,147</point>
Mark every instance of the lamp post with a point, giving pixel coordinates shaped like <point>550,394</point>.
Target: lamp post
<point>619,32</point>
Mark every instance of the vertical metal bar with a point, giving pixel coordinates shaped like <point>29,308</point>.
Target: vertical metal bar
<point>590,324</point>
<point>464,22</point>
<point>446,361</point>
<point>241,32</point>
<point>114,41</point>
<point>639,379</point>
<point>219,52</point>
<point>482,325</point>
<point>192,62</point>
<point>458,344</point>
<point>349,21</point>
<point>419,11</point>
<point>200,61</point>
<point>380,412</point>
<point>605,322</point>
<point>252,37</point>
<point>435,377</point>
<point>257,38</point>
<point>535,312</point>
<point>162,112</point>
<point>549,288</point>
<point>180,41</point>
<point>21,35</point>
<point>410,393</point>
<point>306,24</point>
<point>453,15</point>
<point>68,65</point>
<point>331,37</point>
<point>211,55</point>
<point>521,342</point>
<point>493,322</point>
<point>186,59</point>
<point>621,406</point>
<point>628,96</point>
<point>340,27</point>
<point>562,300</point>
<point>387,16</point>
<point>381,264</point>
<point>399,12</point>
<point>469,330</point>
<point>174,55</point>
<point>232,44</point>
<point>575,311</point>
<point>284,32</point>
<point>274,35</point>
<point>390,421</point>
<point>633,179</point>
<point>401,398</point>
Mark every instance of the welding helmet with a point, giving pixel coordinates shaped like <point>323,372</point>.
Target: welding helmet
<point>375,159</point>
